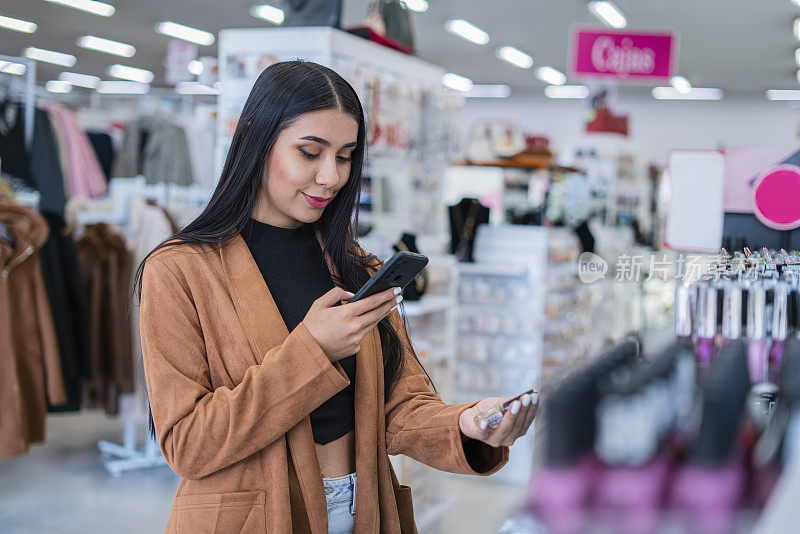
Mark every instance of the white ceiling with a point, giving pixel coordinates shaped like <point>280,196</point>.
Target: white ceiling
<point>741,46</point>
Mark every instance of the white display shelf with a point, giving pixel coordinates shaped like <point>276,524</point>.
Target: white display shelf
<point>501,303</point>
<point>428,304</point>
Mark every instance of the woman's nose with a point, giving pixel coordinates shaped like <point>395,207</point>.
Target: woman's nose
<point>328,175</point>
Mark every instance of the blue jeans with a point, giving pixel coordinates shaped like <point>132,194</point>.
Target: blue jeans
<point>340,494</point>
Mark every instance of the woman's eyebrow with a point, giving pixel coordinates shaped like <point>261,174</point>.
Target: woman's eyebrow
<point>325,142</point>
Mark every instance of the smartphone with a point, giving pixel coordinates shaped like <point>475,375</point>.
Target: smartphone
<point>398,271</point>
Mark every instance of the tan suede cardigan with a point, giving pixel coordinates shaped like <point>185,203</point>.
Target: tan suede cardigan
<point>231,389</point>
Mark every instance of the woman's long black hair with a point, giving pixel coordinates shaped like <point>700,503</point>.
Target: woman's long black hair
<point>282,93</point>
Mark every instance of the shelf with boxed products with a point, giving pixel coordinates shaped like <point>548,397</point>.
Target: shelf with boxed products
<point>500,306</point>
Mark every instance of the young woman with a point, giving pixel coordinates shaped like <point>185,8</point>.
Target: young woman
<point>276,401</point>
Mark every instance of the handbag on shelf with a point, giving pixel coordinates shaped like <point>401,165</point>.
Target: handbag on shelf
<point>490,140</point>
<point>312,13</point>
<point>397,21</point>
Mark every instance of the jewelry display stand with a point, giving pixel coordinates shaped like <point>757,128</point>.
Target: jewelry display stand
<point>465,217</point>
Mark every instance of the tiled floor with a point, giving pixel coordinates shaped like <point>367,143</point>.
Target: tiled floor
<point>61,487</point>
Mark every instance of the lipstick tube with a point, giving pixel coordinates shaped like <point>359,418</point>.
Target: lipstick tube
<point>780,328</point>
<point>683,312</point>
<point>757,349</point>
<point>706,324</point>
<point>731,313</point>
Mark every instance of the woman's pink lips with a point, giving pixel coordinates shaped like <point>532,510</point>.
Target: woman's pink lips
<point>317,202</point>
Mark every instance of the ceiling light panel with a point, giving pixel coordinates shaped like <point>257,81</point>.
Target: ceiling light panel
<point>80,80</point>
<point>9,67</point>
<point>696,93</point>
<point>17,25</point>
<point>420,6</point>
<point>566,91</point>
<point>608,13</point>
<point>106,45</point>
<point>459,83</point>
<point>783,94</point>
<point>123,88</point>
<point>196,67</point>
<point>58,86</point>
<point>89,6</point>
<point>269,13</point>
<point>467,31</point>
<point>550,75</point>
<point>186,33</point>
<point>48,56</point>
<point>515,57</point>
<point>489,91</point>
<point>681,84</point>
<point>130,73</point>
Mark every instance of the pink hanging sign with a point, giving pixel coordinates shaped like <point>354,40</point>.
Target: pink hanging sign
<point>776,197</point>
<point>622,54</point>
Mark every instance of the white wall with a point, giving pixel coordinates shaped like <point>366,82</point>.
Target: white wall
<point>654,126</point>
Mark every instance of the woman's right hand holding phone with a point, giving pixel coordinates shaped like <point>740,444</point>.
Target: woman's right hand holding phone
<point>340,329</point>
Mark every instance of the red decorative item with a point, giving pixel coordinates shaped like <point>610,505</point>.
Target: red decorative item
<point>370,34</point>
<point>537,143</point>
<point>605,121</point>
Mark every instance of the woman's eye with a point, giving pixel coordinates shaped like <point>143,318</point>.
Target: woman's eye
<point>308,155</point>
<point>343,159</point>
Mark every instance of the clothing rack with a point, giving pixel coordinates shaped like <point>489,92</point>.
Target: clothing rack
<point>29,93</point>
<point>114,209</point>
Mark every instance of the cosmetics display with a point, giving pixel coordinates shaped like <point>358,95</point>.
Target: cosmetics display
<point>645,445</point>
<point>691,439</point>
<point>560,491</point>
<point>748,295</point>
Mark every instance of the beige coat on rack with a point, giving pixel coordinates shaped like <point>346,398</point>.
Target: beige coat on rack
<point>231,389</point>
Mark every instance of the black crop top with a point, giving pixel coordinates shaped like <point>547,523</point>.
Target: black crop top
<point>294,269</point>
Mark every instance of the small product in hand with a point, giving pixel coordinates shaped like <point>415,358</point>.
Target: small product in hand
<point>492,416</point>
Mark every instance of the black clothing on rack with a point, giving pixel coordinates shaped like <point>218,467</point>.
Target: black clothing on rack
<point>296,274</point>
<point>46,175</point>
<point>40,168</point>
<point>14,159</point>
<point>104,148</point>
<point>65,293</point>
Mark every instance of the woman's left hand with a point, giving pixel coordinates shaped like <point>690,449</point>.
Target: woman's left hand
<point>514,424</point>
